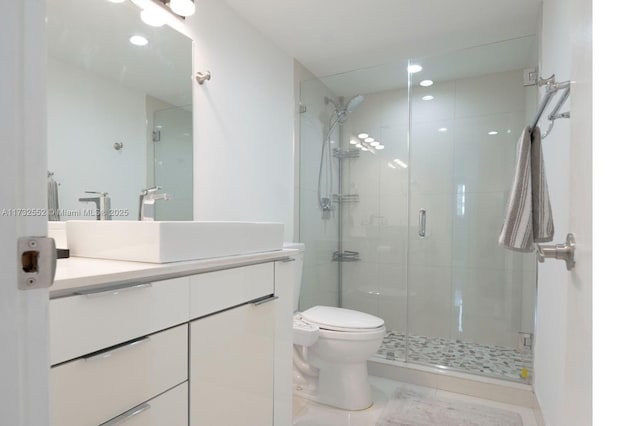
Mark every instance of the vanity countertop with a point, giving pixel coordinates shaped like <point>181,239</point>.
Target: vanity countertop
<point>80,273</point>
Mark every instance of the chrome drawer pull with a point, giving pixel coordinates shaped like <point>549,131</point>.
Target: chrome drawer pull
<point>113,290</point>
<point>108,353</point>
<point>288,259</point>
<point>265,300</point>
<point>125,417</point>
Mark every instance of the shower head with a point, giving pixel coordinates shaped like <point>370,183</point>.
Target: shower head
<point>343,111</point>
<point>353,103</point>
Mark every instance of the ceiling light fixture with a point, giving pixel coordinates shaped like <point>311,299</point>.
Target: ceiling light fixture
<point>369,139</point>
<point>427,98</point>
<point>363,135</point>
<point>182,7</point>
<point>426,83</point>
<point>152,17</point>
<point>414,68</point>
<point>493,132</point>
<point>442,129</point>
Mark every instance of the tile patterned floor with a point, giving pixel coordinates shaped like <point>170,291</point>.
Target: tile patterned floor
<point>308,413</point>
<point>488,360</point>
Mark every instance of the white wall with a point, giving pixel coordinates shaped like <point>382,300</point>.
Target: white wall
<point>563,340</point>
<point>87,114</point>
<point>243,121</point>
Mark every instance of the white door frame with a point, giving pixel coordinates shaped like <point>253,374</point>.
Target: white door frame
<point>24,315</point>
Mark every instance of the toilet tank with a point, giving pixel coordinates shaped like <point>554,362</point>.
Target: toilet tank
<point>299,258</point>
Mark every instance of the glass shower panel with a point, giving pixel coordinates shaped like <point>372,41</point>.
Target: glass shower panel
<point>471,302</point>
<point>173,160</point>
<point>362,243</point>
<point>318,228</point>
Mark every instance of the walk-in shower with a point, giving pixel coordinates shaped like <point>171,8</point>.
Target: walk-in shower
<point>402,192</point>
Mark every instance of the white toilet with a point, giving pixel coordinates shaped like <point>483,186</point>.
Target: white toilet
<point>331,348</point>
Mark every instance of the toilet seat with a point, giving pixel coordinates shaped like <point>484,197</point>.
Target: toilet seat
<point>340,319</point>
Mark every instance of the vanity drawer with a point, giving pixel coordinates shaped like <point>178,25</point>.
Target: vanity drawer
<point>86,323</point>
<point>92,390</point>
<point>216,291</point>
<point>169,409</point>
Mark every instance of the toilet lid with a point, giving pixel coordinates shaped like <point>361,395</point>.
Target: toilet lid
<point>340,319</point>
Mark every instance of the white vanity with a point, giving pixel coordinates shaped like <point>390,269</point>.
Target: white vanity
<point>185,343</point>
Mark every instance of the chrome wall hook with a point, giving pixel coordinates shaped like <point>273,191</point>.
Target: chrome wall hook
<point>201,77</point>
<point>564,252</point>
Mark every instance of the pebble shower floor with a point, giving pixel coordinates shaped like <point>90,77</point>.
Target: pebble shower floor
<point>488,360</point>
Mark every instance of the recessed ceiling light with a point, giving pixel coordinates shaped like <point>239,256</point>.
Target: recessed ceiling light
<point>427,98</point>
<point>414,68</point>
<point>374,143</point>
<point>442,129</point>
<point>363,135</point>
<point>358,145</point>
<point>353,141</point>
<point>379,146</point>
<point>426,83</point>
<point>152,17</point>
<point>369,139</point>
<point>138,40</point>
<point>493,132</point>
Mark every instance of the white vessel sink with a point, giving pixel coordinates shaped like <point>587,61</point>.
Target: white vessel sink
<point>169,241</point>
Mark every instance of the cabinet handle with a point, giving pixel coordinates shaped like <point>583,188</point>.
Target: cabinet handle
<point>125,417</point>
<point>265,300</point>
<point>108,353</point>
<point>112,291</point>
<point>288,259</point>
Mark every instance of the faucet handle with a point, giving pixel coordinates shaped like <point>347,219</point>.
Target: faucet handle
<point>102,194</point>
<point>150,190</point>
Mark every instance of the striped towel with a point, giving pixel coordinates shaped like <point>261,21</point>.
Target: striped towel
<point>528,219</point>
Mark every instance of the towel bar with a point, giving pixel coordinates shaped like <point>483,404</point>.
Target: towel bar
<point>564,252</point>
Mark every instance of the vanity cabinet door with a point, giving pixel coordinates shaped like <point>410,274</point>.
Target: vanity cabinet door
<point>231,360</point>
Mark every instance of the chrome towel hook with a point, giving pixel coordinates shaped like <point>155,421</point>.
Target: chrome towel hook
<point>202,76</point>
<point>564,252</point>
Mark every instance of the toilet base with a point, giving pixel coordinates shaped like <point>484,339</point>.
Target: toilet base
<point>345,386</point>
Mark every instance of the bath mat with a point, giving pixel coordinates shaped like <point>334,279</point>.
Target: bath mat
<point>408,407</point>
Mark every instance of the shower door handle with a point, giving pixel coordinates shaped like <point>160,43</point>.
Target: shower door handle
<point>422,223</point>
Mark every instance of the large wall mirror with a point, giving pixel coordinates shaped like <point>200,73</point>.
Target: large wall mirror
<point>119,114</point>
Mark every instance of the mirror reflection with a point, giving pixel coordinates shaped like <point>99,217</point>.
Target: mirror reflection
<point>119,114</point>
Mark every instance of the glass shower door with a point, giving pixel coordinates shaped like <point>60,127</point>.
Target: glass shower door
<point>471,302</point>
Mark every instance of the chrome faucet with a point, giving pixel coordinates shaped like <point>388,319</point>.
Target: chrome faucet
<point>147,202</point>
<point>103,204</point>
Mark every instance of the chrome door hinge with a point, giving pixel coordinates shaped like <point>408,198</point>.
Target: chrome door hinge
<point>37,258</point>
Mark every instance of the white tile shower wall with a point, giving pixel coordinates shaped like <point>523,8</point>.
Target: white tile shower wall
<point>243,127</point>
<point>461,176</point>
<point>87,98</point>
